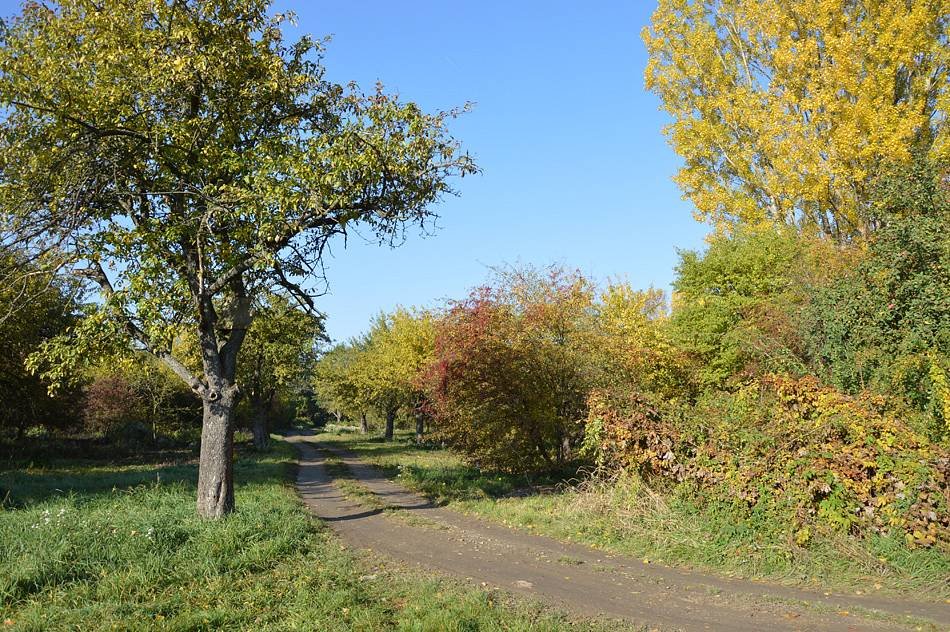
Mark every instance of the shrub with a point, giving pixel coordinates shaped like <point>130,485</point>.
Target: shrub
<point>634,347</point>
<point>734,303</point>
<point>512,370</point>
<point>884,324</point>
<point>791,448</point>
<point>138,401</point>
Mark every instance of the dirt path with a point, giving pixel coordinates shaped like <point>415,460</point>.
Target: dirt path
<point>573,577</point>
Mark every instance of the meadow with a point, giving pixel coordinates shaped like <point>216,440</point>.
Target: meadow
<point>102,546</point>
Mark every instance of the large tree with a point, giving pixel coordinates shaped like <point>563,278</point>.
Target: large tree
<point>785,110</point>
<point>183,158</point>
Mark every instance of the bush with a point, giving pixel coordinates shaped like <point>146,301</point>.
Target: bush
<point>805,454</point>
<point>884,325</point>
<point>138,402</point>
<point>734,304</point>
<point>512,370</point>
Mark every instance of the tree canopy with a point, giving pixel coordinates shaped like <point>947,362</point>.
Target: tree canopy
<point>786,110</point>
<point>182,158</point>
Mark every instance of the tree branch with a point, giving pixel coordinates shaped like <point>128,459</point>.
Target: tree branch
<point>98,274</point>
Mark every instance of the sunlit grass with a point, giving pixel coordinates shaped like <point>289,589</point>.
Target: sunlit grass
<point>119,547</point>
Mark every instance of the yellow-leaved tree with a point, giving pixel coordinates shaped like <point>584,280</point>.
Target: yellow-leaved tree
<point>785,110</point>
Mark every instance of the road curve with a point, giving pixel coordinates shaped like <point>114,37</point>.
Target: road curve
<point>573,577</point>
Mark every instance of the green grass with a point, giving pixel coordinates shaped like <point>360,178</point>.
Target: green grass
<point>629,518</point>
<point>96,547</point>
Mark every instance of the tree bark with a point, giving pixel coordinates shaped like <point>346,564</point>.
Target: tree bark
<point>261,427</point>
<point>364,425</point>
<point>420,427</point>
<point>216,460</point>
<point>390,423</point>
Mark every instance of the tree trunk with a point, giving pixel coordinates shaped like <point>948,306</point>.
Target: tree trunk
<point>261,427</point>
<point>390,423</point>
<point>339,417</point>
<point>364,425</point>
<point>216,461</point>
<point>565,449</point>
<point>420,427</point>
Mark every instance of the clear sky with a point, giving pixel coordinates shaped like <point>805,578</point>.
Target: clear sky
<point>575,169</point>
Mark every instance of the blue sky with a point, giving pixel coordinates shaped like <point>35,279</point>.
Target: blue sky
<point>575,169</point>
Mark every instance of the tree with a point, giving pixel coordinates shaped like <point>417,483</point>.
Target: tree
<point>281,347</point>
<point>374,373</point>
<point>334,382</point>
<point>785,110</point>
<point>182,158</point>
<point>512,370</point>
<point>34,307</point>
<point>399,346</point>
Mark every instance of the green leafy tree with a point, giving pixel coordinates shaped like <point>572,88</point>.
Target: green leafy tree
<point>280,350</point>
<point>884,324</point>
<point>183,158</point>
<point>334,383</point>
<point>398,347</point>
<point>375,375</point>
<point>34,307</point>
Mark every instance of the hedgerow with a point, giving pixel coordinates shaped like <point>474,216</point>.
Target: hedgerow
<point>790,447</point>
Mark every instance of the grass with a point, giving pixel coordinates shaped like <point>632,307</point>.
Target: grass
<point>629,518</point>
<point>96,547</point>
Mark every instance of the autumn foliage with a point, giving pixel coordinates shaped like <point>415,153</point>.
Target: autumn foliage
<point>512,370</point>
<point>786,446</point>
<point>799,374</point>
<point>785,110</point>
<point>792,381</point>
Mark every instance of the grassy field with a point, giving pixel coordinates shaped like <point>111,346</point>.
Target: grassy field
<point>632,519</point>
<point>90,546</point>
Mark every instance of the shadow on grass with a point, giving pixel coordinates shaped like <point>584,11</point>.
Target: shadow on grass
<point>85,479</point>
